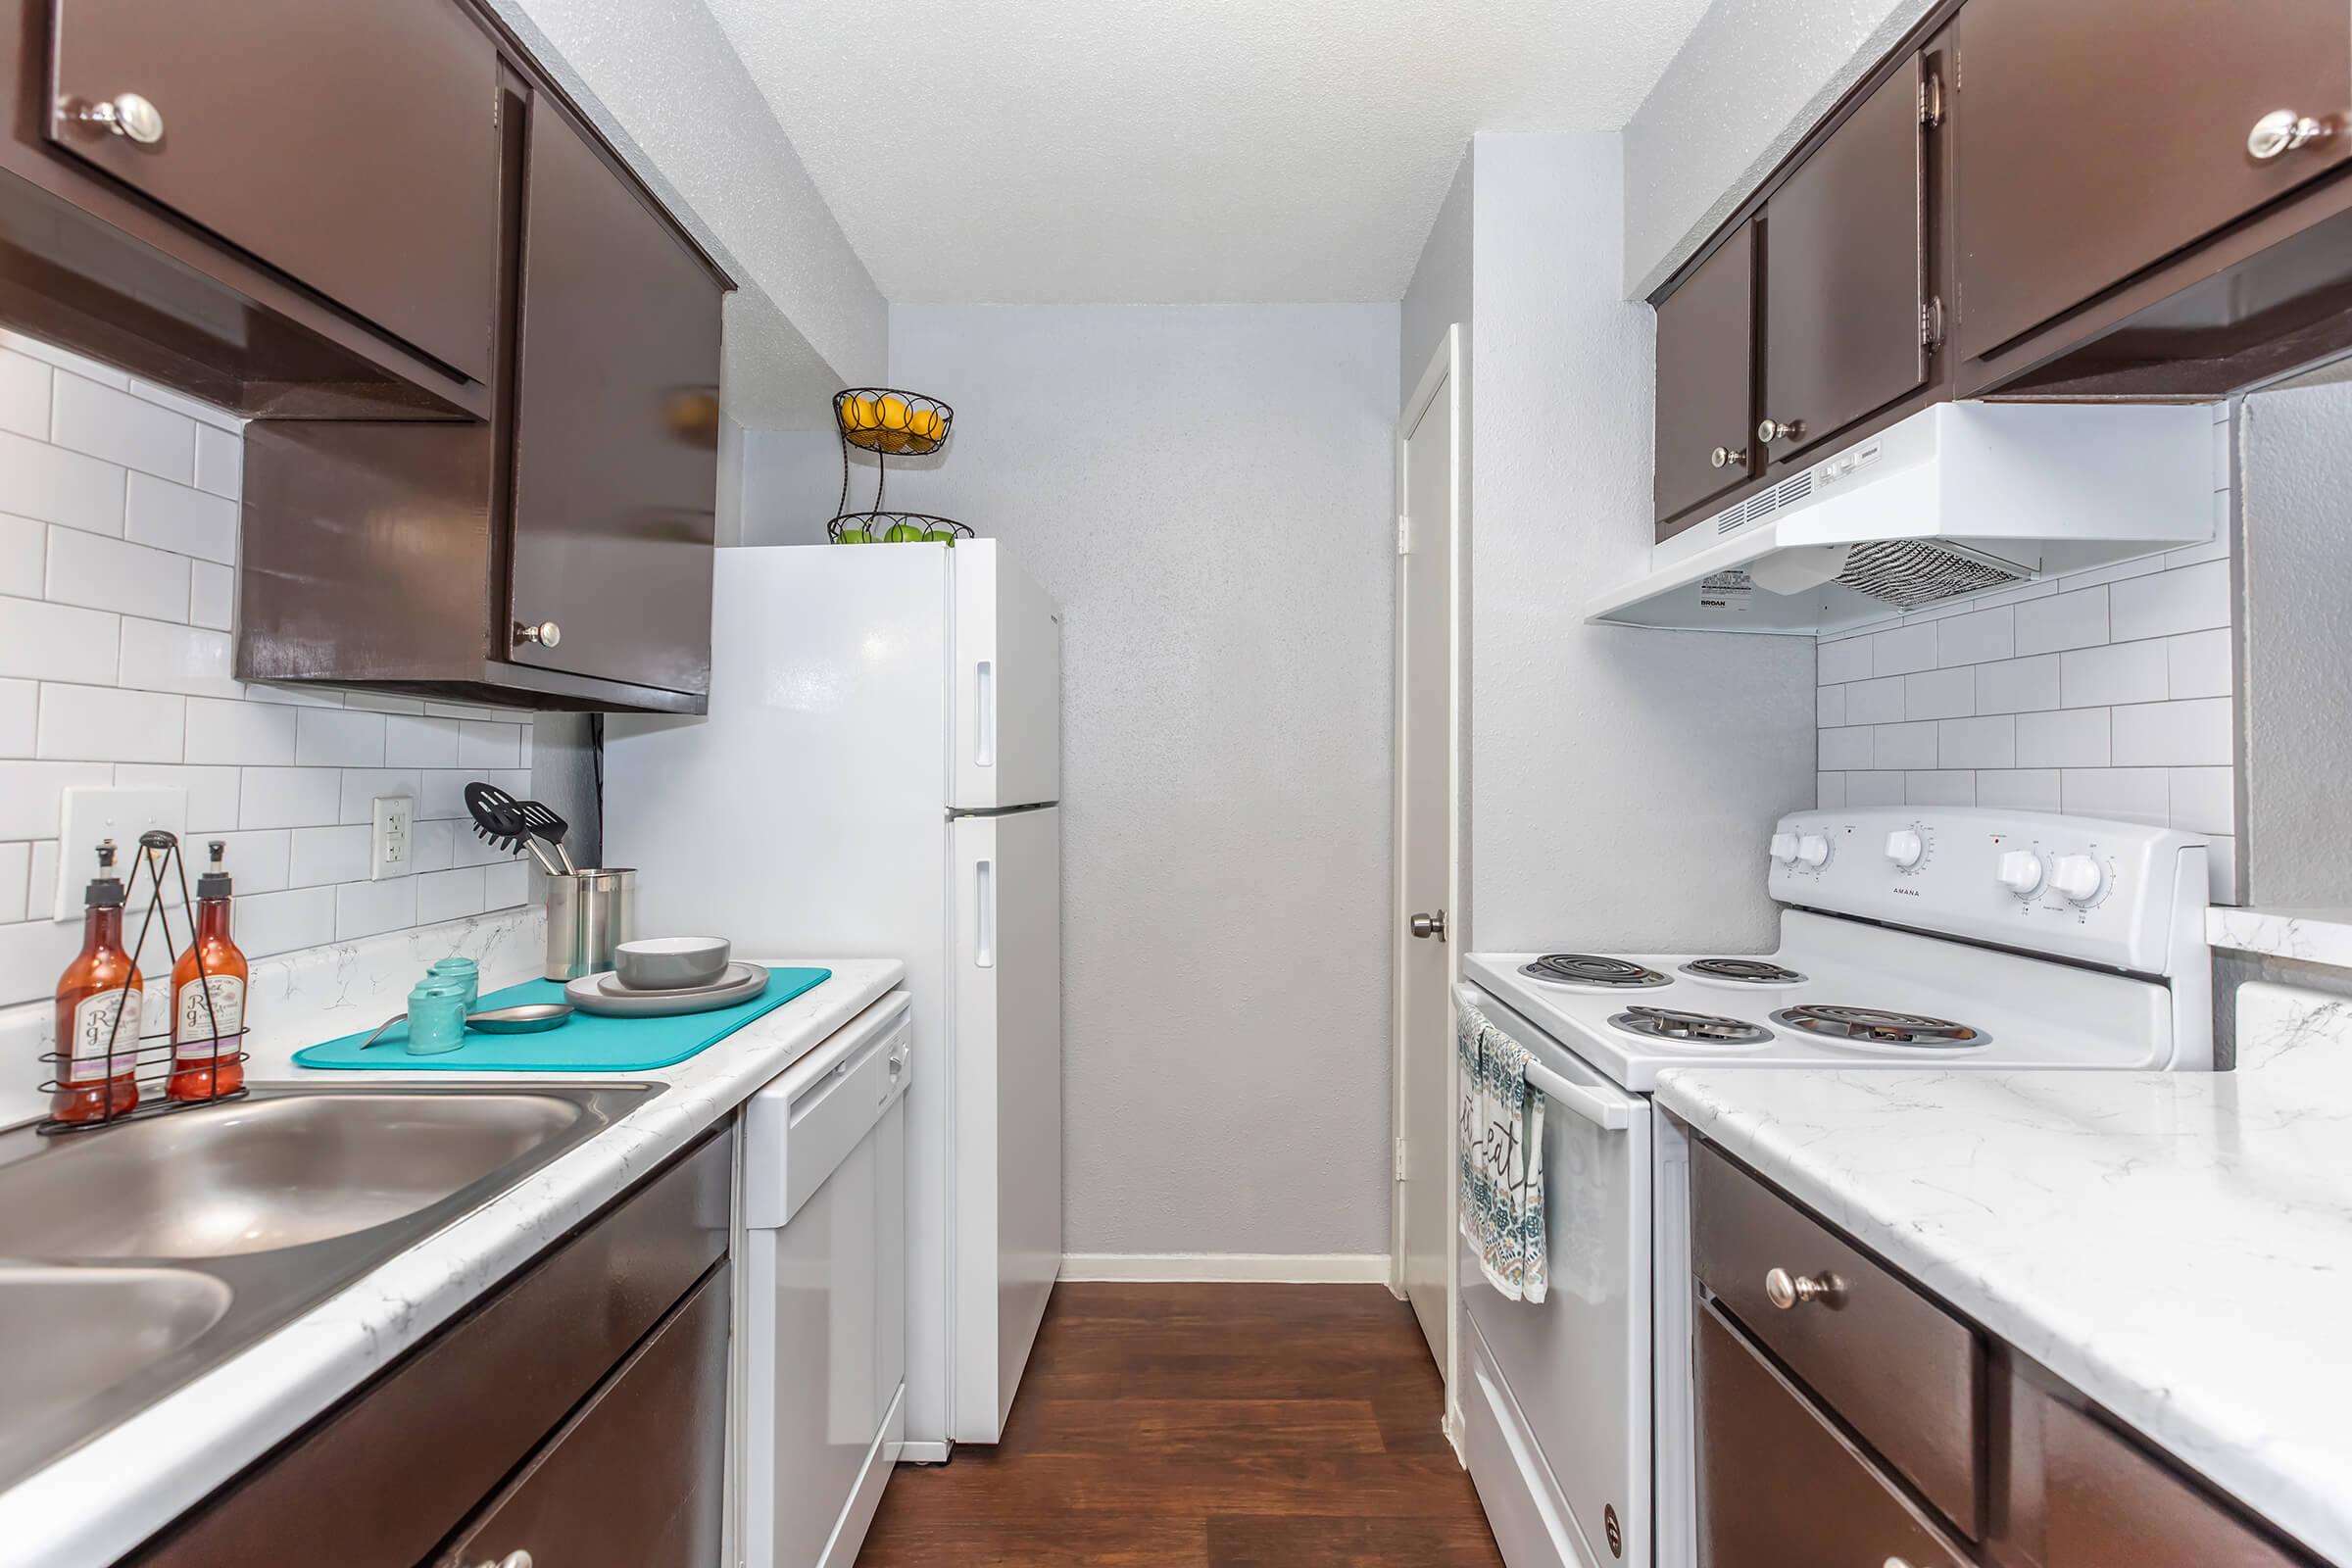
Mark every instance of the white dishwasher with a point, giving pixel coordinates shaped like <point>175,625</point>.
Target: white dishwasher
<point>824,1308</point>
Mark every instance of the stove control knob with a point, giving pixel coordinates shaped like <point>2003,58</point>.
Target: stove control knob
<point>1813,850</point>
<point>1783,847</point>
<point>2022,872</point>
<point>2079,877</point>
<point>1906,847</point>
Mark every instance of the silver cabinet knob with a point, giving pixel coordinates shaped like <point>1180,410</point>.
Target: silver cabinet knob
<point>126,114</point>
<point>1785,1290</point>
<point>1769,430</point>
<point>513,1559</point>
<point>1896,1562</point>
<point>2283,131</point>
<point>1429,925</point>
<point>1729,457</point>
<point>546,634</point>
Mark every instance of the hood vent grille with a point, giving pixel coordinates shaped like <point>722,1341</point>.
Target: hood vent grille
<point>1910,573</point>
<point>1764,503</point>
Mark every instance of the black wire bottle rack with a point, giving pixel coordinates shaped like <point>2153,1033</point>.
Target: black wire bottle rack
<point>889,423</point>
<point>154,1061</point>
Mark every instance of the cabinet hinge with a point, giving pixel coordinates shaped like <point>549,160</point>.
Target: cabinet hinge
<point>1404,534</point>
<point>1930,99</point>
<point>1931,324</point>
<point>1401,1159</point>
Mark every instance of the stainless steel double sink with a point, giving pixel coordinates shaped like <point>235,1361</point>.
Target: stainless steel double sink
<point>135,1257</point>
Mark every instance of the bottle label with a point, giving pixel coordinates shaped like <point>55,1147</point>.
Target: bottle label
<point>193,1027</point>
<point>103,1048</point>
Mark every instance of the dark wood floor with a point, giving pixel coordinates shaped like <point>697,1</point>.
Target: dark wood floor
<point>1219,1426</point>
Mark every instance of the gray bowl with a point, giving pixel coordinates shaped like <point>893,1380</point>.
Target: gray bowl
<point>666,963</point>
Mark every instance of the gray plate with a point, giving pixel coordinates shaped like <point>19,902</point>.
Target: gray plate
<point>591,992</point>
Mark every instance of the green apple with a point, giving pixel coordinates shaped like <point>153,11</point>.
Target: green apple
<point>904,533</point>
<point>854,536</point>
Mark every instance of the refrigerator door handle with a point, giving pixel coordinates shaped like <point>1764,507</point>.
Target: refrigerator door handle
<point>984,714</point>
<point>984,922</point>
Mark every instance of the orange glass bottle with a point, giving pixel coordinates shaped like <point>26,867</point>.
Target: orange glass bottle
<point>98,1003</point>
<point>208,1013</point>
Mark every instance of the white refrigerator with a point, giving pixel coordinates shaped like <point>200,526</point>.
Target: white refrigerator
<point>879,775</point>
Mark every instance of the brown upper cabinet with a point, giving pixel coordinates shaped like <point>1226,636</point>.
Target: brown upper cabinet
<point>2094,138</point>
<point>616,427</point>
<point>1846,303</point>
<point>1706,360</point>
<point>352,147</point>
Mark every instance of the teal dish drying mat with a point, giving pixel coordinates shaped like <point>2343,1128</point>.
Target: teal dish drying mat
<point>583,1043</point>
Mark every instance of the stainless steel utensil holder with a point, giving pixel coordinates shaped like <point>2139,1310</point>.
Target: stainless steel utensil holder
<point>589,914</point>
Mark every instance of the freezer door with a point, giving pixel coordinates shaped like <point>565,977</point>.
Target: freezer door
<point>1006,1061</point>
<point>1006,675</point>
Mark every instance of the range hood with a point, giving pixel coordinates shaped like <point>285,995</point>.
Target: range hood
<point>1958,500</point>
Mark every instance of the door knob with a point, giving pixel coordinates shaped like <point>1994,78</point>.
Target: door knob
<point>1771,431</point>
<point>2283,131</point>
<point>1729,457</point>
<point>1430,925</point>
<point>546,634</point>
<point>128,114</point>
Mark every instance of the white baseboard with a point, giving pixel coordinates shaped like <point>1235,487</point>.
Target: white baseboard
<point>1285,1268</point>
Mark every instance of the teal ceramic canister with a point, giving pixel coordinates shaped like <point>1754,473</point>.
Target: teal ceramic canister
<point>463,971</point>
<point>437,1011</point>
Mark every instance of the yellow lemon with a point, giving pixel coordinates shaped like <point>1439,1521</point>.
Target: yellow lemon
<point>894,414</point>
<point>926,425</point>
<point>859,414</point>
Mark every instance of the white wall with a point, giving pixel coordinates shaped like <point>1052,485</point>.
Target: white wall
<point>119,533</point>
<point>1208,491</point>
<point>2105,694</point>
<point>1749,82</point>
<point>1622,782</point>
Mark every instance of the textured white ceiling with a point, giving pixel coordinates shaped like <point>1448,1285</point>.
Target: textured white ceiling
<point>1171,151</point>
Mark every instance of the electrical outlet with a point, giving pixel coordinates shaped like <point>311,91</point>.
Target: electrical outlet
<point>392,850</point>
<point>89,813</point>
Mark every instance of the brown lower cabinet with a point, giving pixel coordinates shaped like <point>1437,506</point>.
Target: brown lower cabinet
<point>1817,1391</point>
<point>578,1413</point>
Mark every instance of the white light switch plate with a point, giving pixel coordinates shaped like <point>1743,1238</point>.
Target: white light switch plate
<point>392,851</point>
<point>120,813</point>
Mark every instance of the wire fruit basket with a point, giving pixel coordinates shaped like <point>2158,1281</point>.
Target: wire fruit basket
<point>890,423</point>
<point>894,528</point>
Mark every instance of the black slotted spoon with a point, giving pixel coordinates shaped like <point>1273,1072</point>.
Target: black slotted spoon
<point>499,817</point>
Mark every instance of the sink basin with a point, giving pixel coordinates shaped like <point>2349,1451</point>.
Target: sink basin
<point>135,1259</point>
<point>258,1175</point>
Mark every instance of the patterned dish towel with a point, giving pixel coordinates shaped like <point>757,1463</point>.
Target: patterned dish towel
<point>1503,1158</point>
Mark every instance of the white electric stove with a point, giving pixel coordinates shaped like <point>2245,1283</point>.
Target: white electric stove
<point>1911,938</point>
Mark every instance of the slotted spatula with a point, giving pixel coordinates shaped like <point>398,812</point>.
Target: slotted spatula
<point>497,818</point>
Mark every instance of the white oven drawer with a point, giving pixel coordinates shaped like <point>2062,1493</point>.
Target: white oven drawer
<point>1577,1365</point>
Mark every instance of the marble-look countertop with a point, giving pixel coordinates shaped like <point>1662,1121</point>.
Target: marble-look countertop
<point>2313,935</point>
<point>2178,1247</point>
<point>103,1499</point>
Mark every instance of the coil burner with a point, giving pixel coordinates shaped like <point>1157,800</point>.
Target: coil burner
<point>1873,1027</point>
<point>1690,1028</point>
<point>1742,972</point>
<point>1591,972</point>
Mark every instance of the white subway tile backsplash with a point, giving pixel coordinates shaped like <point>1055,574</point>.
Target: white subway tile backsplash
<point>160,657</point>
<point>290,797</point>
<point>2061,622</point>
<point>447,895</point>
<point>1903,650</point>
<point>212,792</point>
<point>175,517</point>
<point>2018,685</point>
<point>211,594</point>
<point>1842,661</point>
<point>364,909</point>
<point>107,724</point>
<point>258,861</point>
<point>1843,750</point>
<point>221,461</point>
<point>362,786</point>
<point>337,737</point>
<point>2120,794</point>
<point>101,572</point>
<point>433,844</point>
<point>2200,664</point>
<point>2196,733</point>
<point>119,427</point>
<point>444,793</point>
<point>1874,702</point>
<point>204,413</point>
<point>1874,789</point>
<point>381,703</point>
<point>19,717</point>
<point>1905,746</point>
<point>1989,742</point>
<point>1829,794</point>
<point>53,485</point>
<point>50,354</point>
<point>30,793</point>
<point>1977,638</point>
<point>23,553</point>
<point>420,741</point>
<point>2019,789</point>
<point>2202,800</point>
<point>220,731</point>
<point>326,854</point>
<point>16,870</point>
<point>40,890</point>
<point>1939,787</point>
<point>57,642</point>
<point>2114,573</point>
<point>281,922</point>
<point>505,886</point>
<point>1939,694</point>
<point>24,399</point>
<point>33,955</point>
<point>2192,598</point>
<point>2065,738</point>
<point>2117,672</point>
<point>482,744</point>
<point>1829,708</point>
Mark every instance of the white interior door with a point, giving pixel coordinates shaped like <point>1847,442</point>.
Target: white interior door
<point>1007,684</point>
<point>1007,1094</point>
<point>1427,771</point>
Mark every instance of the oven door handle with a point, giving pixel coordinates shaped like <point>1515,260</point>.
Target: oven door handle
<point>1602,1114</point>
